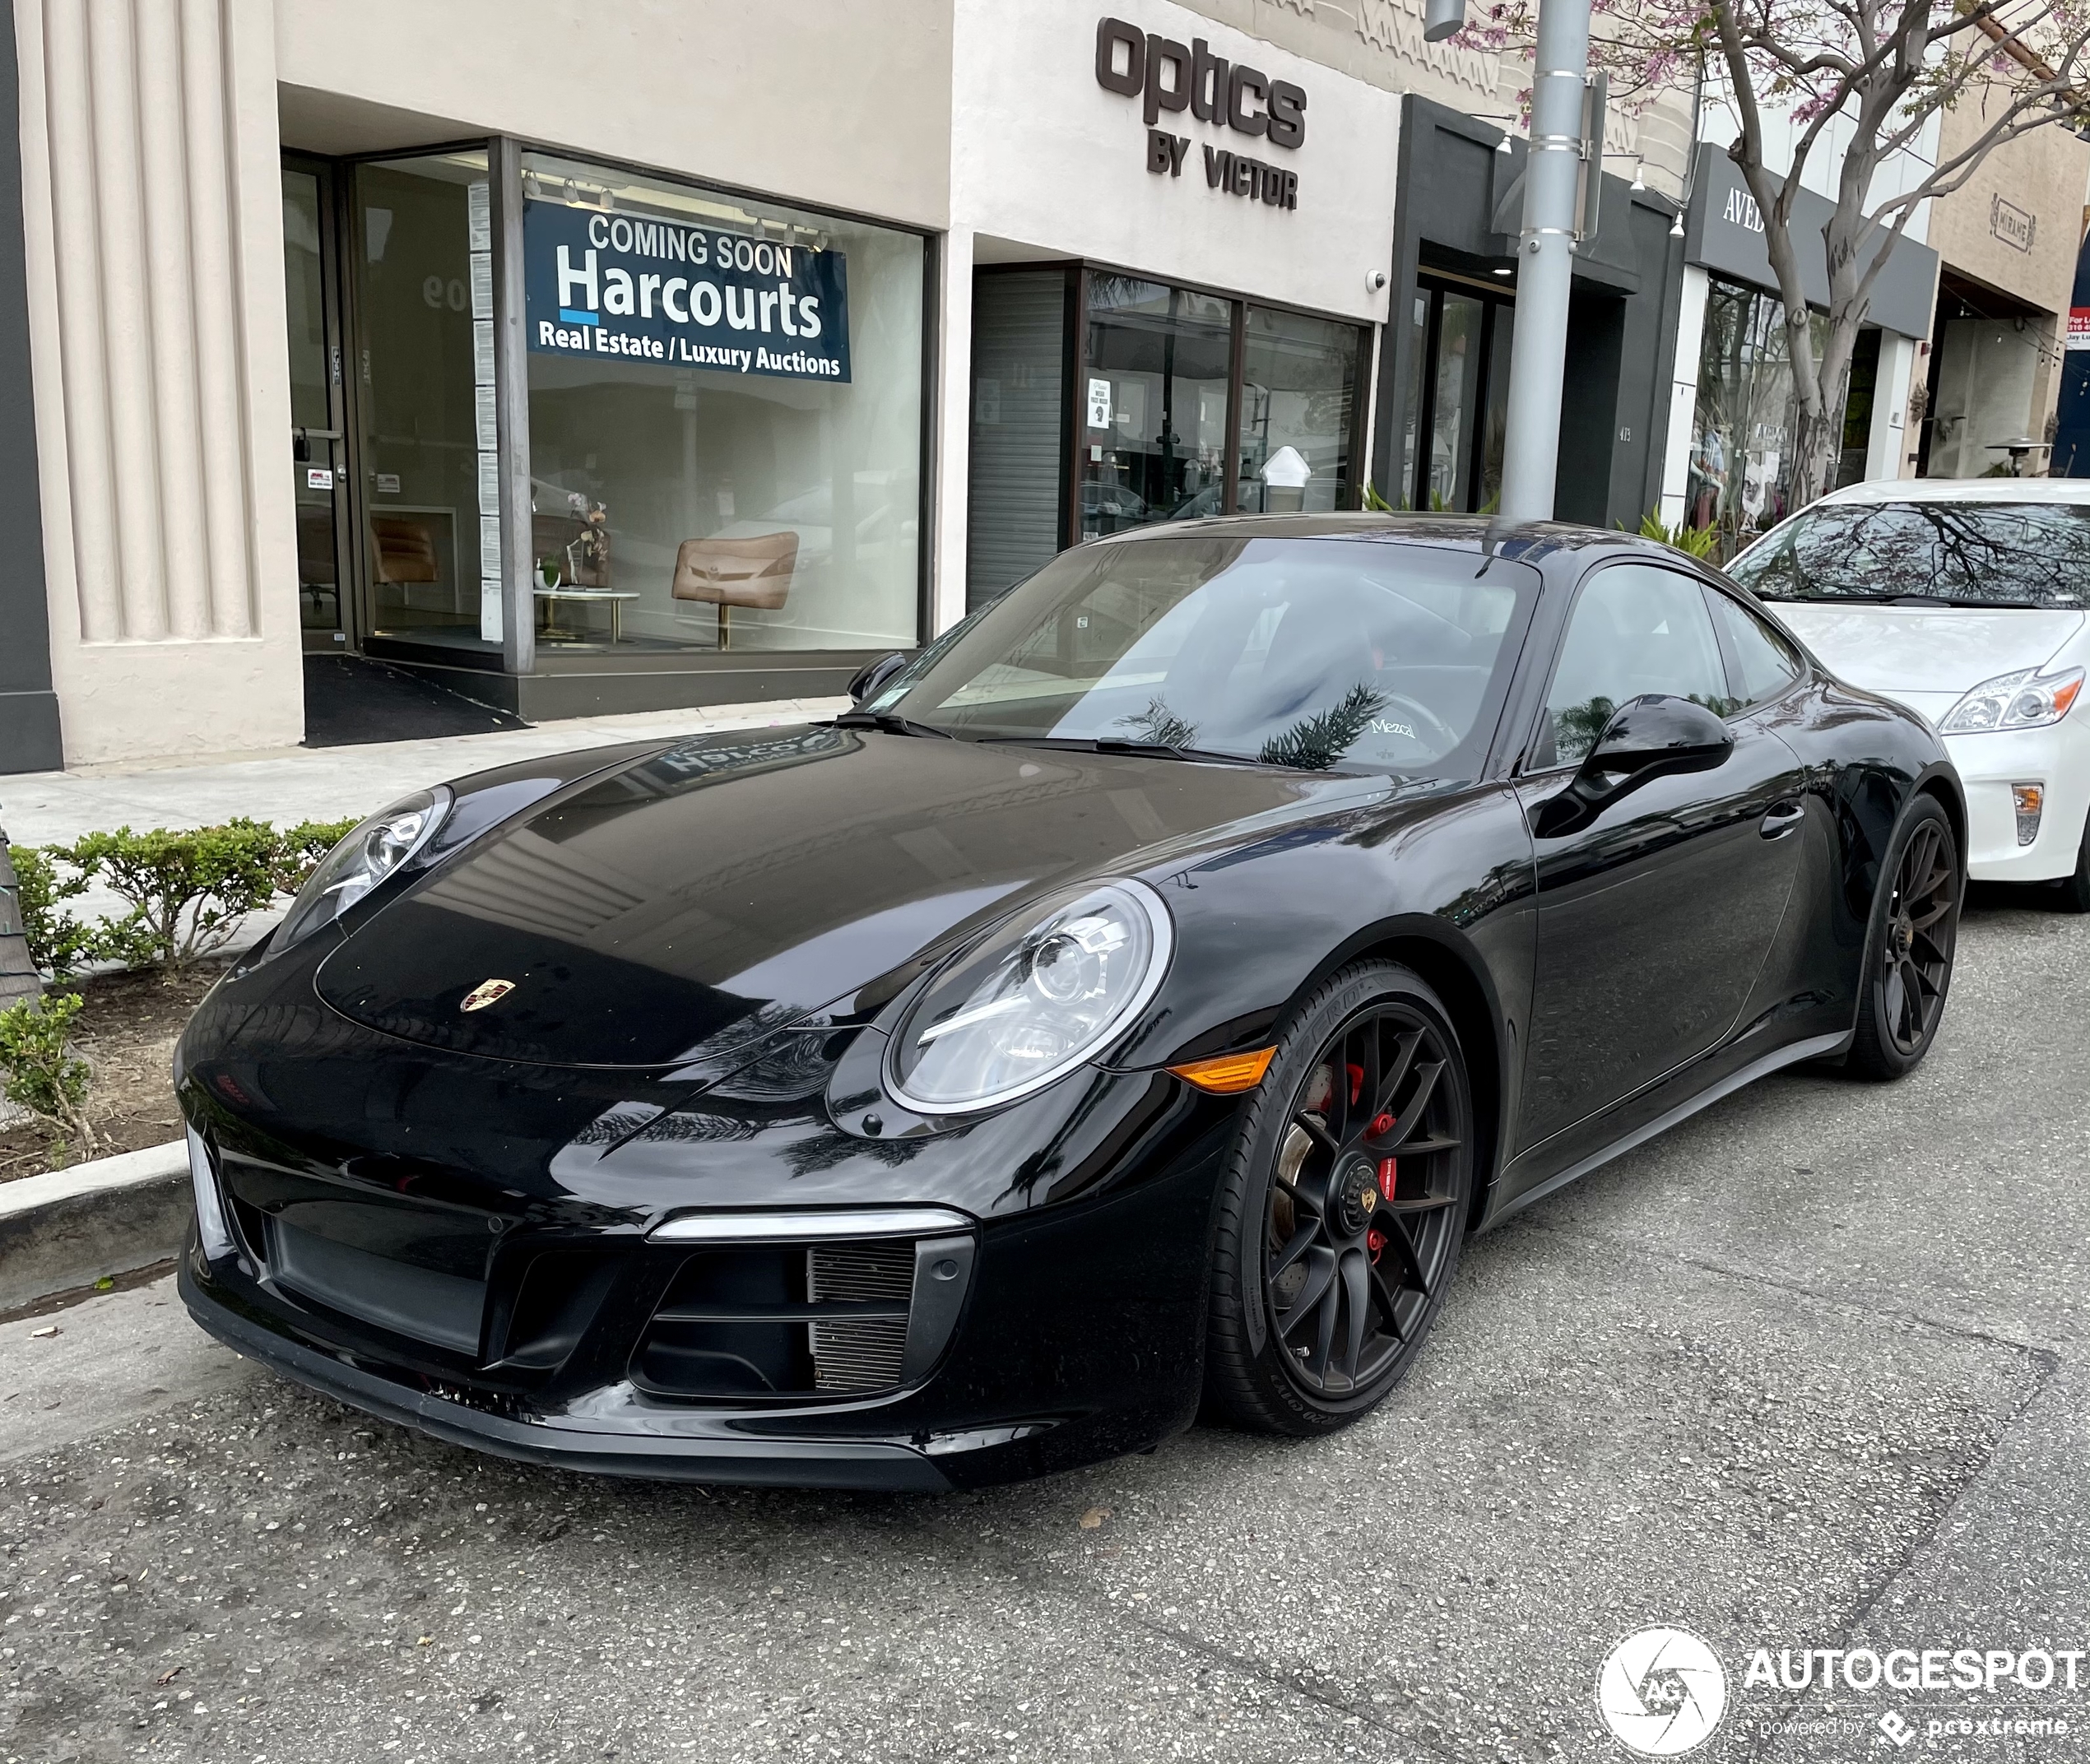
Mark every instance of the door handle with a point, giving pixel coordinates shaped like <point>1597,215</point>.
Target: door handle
<point>1781,818</point>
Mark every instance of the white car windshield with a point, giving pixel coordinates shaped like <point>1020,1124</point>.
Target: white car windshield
<point>1954,554</point>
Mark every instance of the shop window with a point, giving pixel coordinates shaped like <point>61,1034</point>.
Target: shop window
<point>1298,392</point>
<point>1154,403</point>
<point>421,271</point>
<point>314,458</point>
<point>726,409</point>
<point>1744,425</point>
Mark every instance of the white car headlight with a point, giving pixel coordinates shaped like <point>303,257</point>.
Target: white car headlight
<point>2023,700</point>
<point>369,854</point>
<point>1032,1000</point>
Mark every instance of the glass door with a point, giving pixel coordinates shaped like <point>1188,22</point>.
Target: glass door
<point>320,484</point>
<point>1459,399</point>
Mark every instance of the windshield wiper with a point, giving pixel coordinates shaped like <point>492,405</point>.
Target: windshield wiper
<point>1112,745</point>
<point>891,723</point>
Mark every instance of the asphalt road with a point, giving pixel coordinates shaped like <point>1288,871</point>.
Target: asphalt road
<point>1809,1373</point>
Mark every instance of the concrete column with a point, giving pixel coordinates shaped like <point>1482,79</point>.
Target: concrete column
<point>953,426</point>
<point>1887,443</point>
<point>152,223</point>
<point>1683,394</point>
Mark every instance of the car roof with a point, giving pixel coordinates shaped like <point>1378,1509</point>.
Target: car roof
<point>1529,541</point>
<point>1962,489</point>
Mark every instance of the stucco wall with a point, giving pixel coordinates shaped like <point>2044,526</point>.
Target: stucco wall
<point>1381,42</point>
<point>2032,185</point>
<point>837,104</point>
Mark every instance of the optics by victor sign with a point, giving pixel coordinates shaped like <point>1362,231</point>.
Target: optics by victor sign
<point>1171,76</point>
<point>600,284</point>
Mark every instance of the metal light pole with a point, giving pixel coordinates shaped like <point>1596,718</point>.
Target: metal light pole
<point>1545,260</point>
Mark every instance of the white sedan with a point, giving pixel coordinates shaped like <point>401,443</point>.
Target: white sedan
<point>1964,600</point>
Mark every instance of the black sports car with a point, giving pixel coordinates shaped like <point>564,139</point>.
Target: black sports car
<point>1128,1009</point>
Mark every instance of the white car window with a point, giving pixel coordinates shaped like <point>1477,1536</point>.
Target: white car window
<point>1970,554</point>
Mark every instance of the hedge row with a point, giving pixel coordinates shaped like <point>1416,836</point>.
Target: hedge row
<point>186,891</point>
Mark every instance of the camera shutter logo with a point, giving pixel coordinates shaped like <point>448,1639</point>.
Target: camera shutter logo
<point>1661,1691</point>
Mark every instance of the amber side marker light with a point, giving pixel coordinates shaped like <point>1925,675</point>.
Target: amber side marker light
<point>1230,1074</point>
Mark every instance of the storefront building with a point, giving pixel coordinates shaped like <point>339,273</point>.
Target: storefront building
<point>1729,457</point>
<point>1988,373</point>
<point>573,362</point>
<point>1444,372</point>
<point>640,359</point>
<point>1162,241</point>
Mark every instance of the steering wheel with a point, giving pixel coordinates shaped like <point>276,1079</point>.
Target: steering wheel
<point>1437,728</point>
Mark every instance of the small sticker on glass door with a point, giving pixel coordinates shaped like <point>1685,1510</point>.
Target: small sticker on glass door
<point>319,478</point>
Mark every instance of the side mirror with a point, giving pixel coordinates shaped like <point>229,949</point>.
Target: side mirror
<point>1649,737</point>
<point>873,674</point>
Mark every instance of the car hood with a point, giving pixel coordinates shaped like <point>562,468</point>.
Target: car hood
<point>691,903</point>
<point>1926,649</point>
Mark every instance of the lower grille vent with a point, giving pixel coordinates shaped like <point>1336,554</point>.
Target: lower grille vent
<point>837,1317</point>
<point>859,1353</point>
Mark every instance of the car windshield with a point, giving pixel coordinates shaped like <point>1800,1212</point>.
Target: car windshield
<point>1318,653</point>
<point>1962,553</point>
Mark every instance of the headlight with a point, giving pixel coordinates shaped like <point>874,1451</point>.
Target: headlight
<point>2023,700</point>
<point>369,854</point>
<point>1032,1001</point>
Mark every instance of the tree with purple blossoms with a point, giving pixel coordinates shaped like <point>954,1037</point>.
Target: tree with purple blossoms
<point>1884,69</point>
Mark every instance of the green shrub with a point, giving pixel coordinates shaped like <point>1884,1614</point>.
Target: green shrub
<point>304,846</point>
<point>38,1071</point>
<point>188,890</point>
<point>58,944</point>
<point>1694,541</point>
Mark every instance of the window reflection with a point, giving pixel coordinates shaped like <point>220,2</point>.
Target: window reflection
<point>1299,389</point>
<point>1154,404</point>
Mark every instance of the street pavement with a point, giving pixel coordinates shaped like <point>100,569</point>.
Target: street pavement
<point>1809,1372</point>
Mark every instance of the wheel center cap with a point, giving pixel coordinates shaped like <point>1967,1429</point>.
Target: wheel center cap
<point>1904,936</point>
<point>1357,1192</point>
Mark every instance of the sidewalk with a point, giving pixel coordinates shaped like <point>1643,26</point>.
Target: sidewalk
<point>326,783</point>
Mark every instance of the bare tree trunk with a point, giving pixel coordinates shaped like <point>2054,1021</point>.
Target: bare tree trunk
<point>18,977</point>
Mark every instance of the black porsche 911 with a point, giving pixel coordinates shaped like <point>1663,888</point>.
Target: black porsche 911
<point>1125,1011</point>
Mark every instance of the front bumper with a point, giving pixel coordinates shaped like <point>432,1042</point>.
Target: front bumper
<point>2057,759</point>
<point>885,1466</point>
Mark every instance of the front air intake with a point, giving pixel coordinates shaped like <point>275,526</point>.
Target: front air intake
<point>860,1353</point>
<point>794,1306</point>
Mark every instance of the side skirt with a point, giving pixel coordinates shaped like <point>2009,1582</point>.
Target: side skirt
<point>1795,1053</point>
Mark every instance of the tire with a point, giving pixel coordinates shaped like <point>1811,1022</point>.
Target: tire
<point>2074,890</point>
<point>1909,945</point>
<point>1279,1359</point>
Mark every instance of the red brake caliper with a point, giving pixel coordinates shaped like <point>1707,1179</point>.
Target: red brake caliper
<point>1389,1170</point>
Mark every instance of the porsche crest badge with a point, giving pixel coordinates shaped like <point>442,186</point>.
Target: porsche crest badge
<point>486,992</point>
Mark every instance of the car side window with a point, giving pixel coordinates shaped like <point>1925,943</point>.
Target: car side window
<point>1635,629</point>
<point>1764,660</point>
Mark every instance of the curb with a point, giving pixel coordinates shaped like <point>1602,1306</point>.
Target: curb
<point>107,1217</point>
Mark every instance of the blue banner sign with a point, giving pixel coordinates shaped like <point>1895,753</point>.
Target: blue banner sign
<point>647,289</point>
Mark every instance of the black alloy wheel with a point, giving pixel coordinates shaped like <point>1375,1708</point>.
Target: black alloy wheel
<point>1344,1207</point>
<point>1909,952</point>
